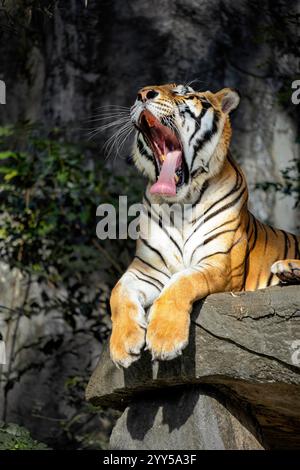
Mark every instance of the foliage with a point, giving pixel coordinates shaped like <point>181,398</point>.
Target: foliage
<point>14,437</point>
<point>49,195</point>
<point>290,184</point>
<point>49,192</point>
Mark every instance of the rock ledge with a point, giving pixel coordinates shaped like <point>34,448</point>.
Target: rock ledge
<point>244,349</point>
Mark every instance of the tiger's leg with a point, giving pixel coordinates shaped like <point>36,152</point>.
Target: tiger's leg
<point>288,270</point>
<point>131,295</point>
<point>169,317</point>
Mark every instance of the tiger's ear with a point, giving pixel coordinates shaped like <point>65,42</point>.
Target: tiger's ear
<point>229,99</point>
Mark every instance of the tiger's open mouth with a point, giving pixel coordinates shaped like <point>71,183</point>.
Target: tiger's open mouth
<point>171,170</point>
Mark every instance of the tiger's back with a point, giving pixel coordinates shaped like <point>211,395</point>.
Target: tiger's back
<point>272,256</point>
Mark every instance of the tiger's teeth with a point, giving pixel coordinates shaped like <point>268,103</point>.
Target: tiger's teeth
<point>176,179</point>
<point>163,157</point>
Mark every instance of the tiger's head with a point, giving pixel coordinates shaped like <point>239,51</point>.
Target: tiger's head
<point>182,136</point>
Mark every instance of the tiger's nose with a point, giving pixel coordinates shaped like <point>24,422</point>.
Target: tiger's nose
<point>145,95</point>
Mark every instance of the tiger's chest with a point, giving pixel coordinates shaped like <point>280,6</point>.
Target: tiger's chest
<point>183,241</point>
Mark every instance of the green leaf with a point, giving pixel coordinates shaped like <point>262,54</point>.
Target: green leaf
<point>12,174</point>
<point>6,131</point>
<point>7,154</point>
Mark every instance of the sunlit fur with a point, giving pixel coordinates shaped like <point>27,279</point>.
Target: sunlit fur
<point>180,106</point>
<point>220,247</point>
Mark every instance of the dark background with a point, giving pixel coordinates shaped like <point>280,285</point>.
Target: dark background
<point>61,61</point>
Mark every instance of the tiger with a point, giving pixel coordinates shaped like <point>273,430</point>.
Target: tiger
<point>182,146</point>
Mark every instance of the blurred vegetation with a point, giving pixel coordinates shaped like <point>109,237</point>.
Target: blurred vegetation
<point>49,192</point>
<point>49,195</point>
<point>14,437</point>
<point>290,184</point>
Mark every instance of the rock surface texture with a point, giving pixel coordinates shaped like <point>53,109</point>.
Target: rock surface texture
<point>236,386</point>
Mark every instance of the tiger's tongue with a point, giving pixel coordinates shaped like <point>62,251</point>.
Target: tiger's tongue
<point>166,181</point>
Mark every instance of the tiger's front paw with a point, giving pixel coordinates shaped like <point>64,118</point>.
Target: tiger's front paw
<point>126,342</point>
<point>128,330</point>
<point>168,329</point>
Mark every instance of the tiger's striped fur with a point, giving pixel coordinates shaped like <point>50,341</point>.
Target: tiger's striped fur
<point>220,247</point>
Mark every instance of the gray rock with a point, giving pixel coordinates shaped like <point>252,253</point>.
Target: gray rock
<point>244,350</point>
<point>185,420</point>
